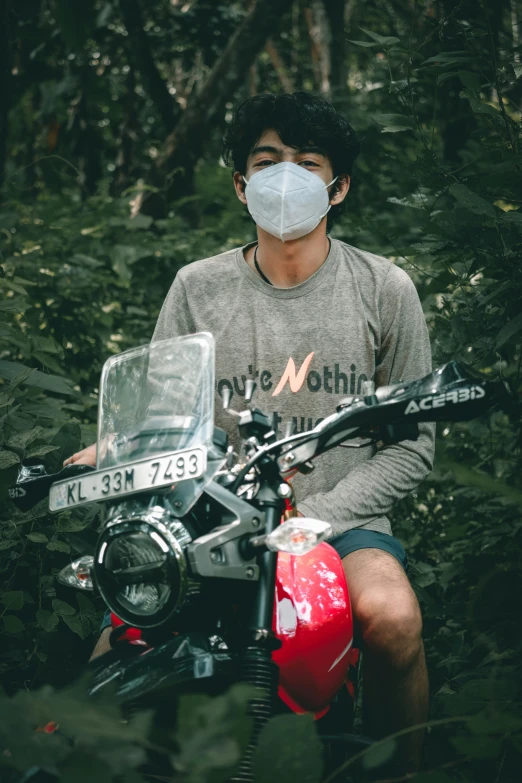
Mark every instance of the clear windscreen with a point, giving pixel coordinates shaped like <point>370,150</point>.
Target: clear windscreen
<point>156,399</point>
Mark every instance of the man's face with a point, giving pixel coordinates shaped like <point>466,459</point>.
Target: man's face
<point>270,150</point>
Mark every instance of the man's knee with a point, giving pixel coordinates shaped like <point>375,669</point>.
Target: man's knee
<point>390,625</point>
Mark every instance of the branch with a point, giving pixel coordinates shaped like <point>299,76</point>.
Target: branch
<point>319,35</point>
<point>279,67</point>
<point>141,57</point>
<point>185,144</point>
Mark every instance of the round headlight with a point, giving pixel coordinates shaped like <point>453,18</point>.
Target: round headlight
<point>140,569</point>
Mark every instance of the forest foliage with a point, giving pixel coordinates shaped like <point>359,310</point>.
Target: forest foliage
<point>110,161</point>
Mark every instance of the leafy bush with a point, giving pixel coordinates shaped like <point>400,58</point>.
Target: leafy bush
<point>81,279</point>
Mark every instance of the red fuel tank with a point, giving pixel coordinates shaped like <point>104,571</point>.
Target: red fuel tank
<point>313,619</point>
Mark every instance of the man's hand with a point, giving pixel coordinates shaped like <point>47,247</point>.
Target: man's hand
<point>85,457</point>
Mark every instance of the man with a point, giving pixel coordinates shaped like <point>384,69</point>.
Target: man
<point>311,318</point>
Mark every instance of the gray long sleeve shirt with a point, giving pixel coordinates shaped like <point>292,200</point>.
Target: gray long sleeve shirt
<point>358,317</point>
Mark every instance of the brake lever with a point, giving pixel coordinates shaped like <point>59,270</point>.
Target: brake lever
<point>33,483</point>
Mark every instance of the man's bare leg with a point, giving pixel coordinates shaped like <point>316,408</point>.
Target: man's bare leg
<point>395,679</point>
<point>102,645</point>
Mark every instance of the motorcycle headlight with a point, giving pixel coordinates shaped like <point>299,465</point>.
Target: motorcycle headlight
<point>140,568</point>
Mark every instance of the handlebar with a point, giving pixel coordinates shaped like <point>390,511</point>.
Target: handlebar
<point>449,393</point>
<point>391,414</point>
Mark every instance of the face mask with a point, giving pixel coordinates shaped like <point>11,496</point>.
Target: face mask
<point>287,200</point>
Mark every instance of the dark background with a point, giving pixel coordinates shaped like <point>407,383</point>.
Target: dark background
<point>111,118</point>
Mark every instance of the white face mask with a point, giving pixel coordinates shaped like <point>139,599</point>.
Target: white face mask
<point>287,200</point>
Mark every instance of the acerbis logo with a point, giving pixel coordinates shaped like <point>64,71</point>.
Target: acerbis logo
<point>456,396</point>
<point>16,492</point>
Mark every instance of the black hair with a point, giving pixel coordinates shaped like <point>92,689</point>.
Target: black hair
<point>299,118</point>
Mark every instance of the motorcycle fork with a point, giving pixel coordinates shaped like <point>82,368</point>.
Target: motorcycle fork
<point>256,666</point>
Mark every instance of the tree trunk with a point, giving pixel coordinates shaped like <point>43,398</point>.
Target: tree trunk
<point>319,33</point>
<point>140,55</point>
<point>457,121</point>
<point>335,12</point>
<point>173,173</point>
<point>127,137</point>
<point>5,82</point>
<point>279,67</point>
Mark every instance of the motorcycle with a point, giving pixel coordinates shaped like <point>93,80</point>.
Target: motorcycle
<point>210,576</point>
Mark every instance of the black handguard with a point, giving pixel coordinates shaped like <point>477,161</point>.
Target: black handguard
<point>33,483</point>
<point>449,393</point>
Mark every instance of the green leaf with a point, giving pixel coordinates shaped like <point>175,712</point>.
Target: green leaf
<point>415,200</point>
<point>8,544</point>
<point>85,605</point>
<point>124,256</point>
<point>88,614</point>
<point>423,574</point>
<point>395,128</point>
<point>47,620</point>
<point>40,451</point>
<point>468,477</point>
<point>8,458</point>
<point>478,747</point>
<point>22,377</point>
<point>514,218</point>
<point>470,80</point>
<point>58,546</point>
<point>12,370</point>
<point>14,599</point>
<point>288,749</point>
<point>450,58</point>
<point>22,439</point>
<point>47,345</point>
<point>12,286</point>
<point>78,625</point>
<point>392,123</point>
<point>8,399</point>
<point>139,222</point>
<point>62,608</point>
<point>384,40</point>
<point>379,753</point>
<point>82,260</point>
<point>489,722</point>
<point>47,361</point>
<point>367,44</point>
<point>508,331</point>
<point>499,289</point>
<point>15,304</point>
<point>211,734</point>
<point>65,524</point>
<point>37,538</point>
<point>479,107</point>
<point>13,624</point>
<point>129,254</point>
<point>472,201</point>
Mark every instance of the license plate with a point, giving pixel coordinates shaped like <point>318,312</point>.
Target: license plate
<point>162,471</point>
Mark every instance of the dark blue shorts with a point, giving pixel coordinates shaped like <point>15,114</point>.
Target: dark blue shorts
<point>352,540</point>
<point>344,544</point>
